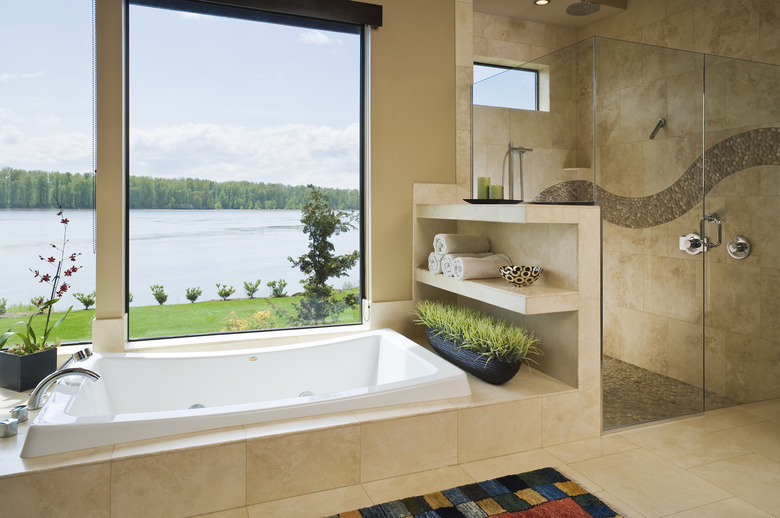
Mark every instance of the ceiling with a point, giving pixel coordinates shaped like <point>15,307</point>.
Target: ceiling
<point>553,13</point>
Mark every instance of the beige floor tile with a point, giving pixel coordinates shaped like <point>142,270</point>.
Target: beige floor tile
<point>416,484</point>
<point>527,461</point>
<point>618,505</point>
<point>654,486</point>
<point>729,508</point>
<point>591,448</point>
<point>685,445</point>
<point>314,505</point>
<point>769,410</point>
<point>718,420</point>
<point>752,478</point>
<point>763,438</point>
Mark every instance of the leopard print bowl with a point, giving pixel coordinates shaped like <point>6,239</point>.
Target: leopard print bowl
<point>520,275</point>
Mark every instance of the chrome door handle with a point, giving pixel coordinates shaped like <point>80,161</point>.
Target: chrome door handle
<point>716,219</point>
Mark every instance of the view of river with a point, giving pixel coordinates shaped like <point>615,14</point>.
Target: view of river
<point>177,249</point>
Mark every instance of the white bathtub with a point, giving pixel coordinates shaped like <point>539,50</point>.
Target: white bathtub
<point>141,396</point>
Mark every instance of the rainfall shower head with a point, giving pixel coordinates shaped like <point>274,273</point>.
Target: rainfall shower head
<point>582,8</point>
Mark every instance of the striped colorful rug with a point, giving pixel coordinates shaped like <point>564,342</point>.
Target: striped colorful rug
<point>543,493</point>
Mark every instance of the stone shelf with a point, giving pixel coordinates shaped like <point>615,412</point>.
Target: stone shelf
<point>519,213</point>
<point>531,300</point>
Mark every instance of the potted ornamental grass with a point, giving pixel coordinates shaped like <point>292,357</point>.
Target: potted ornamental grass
<point>27,356</point>
<point>489,348</point>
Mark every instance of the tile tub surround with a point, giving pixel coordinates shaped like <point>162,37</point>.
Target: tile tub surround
<point>265,462</point>
<point>681,469</point>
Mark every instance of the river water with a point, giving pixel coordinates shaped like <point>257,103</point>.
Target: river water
<point>177,249</point>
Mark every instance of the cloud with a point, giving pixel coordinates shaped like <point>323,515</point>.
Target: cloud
<point>60,151</point>
<point>293,154</point>
<point>315,37</point>
<point>4,78</point>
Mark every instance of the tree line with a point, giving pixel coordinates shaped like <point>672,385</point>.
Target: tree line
<point>22,189</point>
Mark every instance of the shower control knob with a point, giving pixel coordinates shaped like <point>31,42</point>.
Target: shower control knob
<point>738,247</point>
<point>691,244</point>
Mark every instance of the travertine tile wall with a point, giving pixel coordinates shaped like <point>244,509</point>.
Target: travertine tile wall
<point>655,296</point>
<point>561,134</point>
<point>653,293</point>
<point>745,29</point>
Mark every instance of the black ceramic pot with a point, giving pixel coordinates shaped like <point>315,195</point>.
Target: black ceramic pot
<point>492,371</point>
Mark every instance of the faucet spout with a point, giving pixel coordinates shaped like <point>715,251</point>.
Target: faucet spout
<point>36,397</point>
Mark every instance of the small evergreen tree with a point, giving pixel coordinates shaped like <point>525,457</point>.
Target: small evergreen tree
<point>88,299</point>
<point>250,288</point>
<point>192,294</point>
<point>319,303</point>
<point>159,293</point>
<point>277,288</point>
<point>224,291</point>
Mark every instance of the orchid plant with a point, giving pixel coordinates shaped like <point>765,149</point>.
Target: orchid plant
<point>63,266</point>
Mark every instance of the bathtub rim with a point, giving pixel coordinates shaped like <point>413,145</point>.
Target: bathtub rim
<point>447,382</point>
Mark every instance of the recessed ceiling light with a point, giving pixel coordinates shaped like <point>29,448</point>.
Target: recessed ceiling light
<point>541,2</point>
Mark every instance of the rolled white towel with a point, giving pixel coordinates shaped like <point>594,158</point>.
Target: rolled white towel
<point>460,243</point>
<point>446,261</point>
<point>434,262</point>
<point>479,267</point>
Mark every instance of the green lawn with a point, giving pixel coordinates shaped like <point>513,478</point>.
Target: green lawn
<point>169,320</point>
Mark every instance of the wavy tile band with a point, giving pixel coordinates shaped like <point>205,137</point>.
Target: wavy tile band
<point>744,150</point>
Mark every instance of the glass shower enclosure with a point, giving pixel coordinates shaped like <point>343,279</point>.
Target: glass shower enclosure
<point>682,152</point>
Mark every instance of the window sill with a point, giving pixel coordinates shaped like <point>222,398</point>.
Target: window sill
<point>243,340</point>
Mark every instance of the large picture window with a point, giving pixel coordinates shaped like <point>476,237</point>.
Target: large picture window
<point>245,170</point>
<point>46,162</point>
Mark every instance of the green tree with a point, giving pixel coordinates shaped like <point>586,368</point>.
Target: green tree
<point>87,299</point>
<point>250,288</point>
<point>159,293</point>
<point>192,294</point>
<point>224,291</point>
<point>277,288</point>
<point>319,303</point>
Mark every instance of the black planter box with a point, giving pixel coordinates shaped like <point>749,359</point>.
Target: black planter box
<point>492,371</point>
<point>20,373</point>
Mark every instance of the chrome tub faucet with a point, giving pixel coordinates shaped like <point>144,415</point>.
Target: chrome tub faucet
<point>36,397</point>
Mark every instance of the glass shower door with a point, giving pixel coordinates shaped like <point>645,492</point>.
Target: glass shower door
<point>648,151</point>
<point>742,275</point>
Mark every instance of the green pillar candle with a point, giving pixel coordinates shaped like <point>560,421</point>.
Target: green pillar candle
<point>483,182</point>
<point>496,192</point>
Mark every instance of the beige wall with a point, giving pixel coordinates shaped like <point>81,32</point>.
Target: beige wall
<point>412,129</point>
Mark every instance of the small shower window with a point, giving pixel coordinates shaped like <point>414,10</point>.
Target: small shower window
<point>505,87</point>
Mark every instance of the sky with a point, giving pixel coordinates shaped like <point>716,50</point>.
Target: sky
<point>210,97</point>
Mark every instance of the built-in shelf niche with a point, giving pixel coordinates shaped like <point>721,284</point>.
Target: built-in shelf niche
<point>551,236</point>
